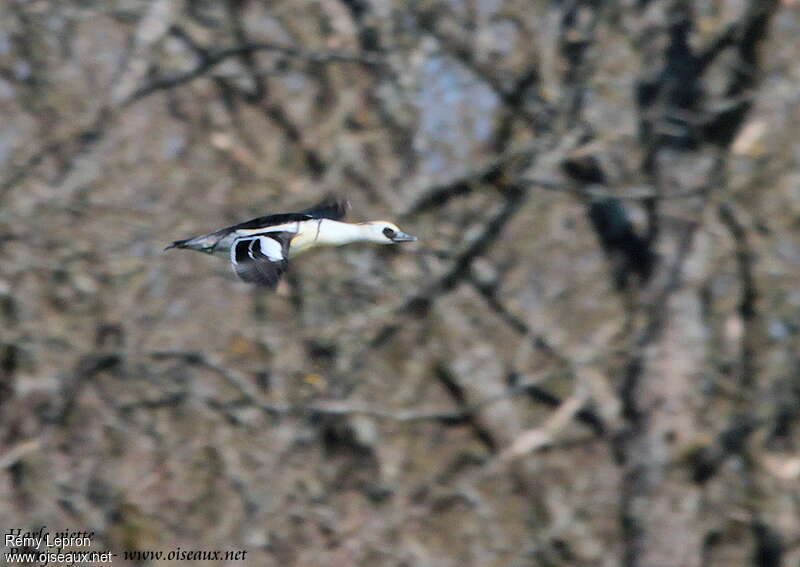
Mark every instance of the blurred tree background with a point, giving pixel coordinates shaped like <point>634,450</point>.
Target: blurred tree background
<point>590,358</point>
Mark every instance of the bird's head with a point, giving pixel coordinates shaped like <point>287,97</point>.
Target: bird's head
<point>385,232</point>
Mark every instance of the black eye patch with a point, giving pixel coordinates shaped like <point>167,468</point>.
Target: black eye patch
<point>388,232</point>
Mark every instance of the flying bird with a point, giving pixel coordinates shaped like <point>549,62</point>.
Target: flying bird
<point>260,248</point>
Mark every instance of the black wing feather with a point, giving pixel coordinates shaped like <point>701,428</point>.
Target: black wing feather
<point>270,220</point>
<point>253,266</point>
<point>330,208</point>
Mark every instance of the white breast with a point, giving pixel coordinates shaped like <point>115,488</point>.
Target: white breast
<point>309,235</point>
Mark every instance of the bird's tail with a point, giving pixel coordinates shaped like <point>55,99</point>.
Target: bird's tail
<point>204,243</point>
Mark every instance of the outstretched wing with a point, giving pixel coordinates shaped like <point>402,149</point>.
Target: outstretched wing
<point>261,259</point>
<point>330,208</point>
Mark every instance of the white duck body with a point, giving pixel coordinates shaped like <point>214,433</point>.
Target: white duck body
<point>321,232</point>
<point>260,249</point>
<point>312,233</point>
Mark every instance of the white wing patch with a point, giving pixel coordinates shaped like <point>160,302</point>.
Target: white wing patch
<point>270,248</point>
<point>261,259</point>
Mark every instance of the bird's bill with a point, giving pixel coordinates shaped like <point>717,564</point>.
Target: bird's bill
<point>403,237</point>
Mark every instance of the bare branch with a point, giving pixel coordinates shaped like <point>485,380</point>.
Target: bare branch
<point>492,173</point>
<point>539,437</point>
<point>214,58</point>
<point>460,416</point>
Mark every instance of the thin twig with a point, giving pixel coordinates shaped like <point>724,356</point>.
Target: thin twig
<point>214,58</point>
<point>251,397</point>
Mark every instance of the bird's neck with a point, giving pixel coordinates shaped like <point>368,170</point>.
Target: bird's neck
<point>334,233</point>
<point>326,232</point>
